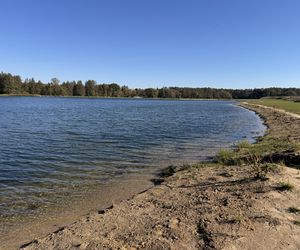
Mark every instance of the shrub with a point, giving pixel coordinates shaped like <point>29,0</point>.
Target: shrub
<point>259,169</point>
<point>226,157</point>
<point>285,186</point>
<point>255,164</point>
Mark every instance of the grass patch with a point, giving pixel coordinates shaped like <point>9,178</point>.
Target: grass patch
<point>294,210</point>
<point>285,186</point>
<point>258,157</point>
<point>243,145</point>
<point>290,106</point>
<point>268,147</point>
<point>226,157</point>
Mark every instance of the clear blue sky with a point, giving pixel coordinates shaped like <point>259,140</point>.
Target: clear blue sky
<point>154,43</point>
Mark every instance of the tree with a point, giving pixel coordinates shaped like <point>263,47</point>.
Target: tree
<point>125,91</point>
<point>114,90</point>
<point>32,87</point>
<point>67,88</point>
<point>56,89</point>
<point>10,84</point>
<point>47,90</point>
<point>90,88</point>
<point>13,84</point>
<point>55,80</point>
<point>151,93</point>
<point>78,89</point>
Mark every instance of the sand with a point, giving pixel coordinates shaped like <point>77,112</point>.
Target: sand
<point>209,208</point>
<point>20,232</point>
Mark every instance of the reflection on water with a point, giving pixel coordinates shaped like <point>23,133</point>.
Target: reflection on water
<point>51,148</point>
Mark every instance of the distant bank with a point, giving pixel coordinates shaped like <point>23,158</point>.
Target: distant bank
<point>14,85</point>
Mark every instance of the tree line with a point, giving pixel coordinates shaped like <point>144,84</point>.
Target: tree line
<point>13,84</point>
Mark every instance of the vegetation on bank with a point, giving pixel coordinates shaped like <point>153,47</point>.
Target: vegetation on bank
<point>285,186</point>
<point>255,156</point>
<point>292,106</point>
<point>14,85</point>
<point>281,146</point>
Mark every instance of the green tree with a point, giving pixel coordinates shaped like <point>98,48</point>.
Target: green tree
<point>90,88</point>
<point>67,88</point>
<point>151,93</point>
<point>125,91</point>
<point>78,89</point>
<point>10,84</point>
<point>56,89</point>
<point>46,90</point>
<point>32,87</point>
<point>114,90</point>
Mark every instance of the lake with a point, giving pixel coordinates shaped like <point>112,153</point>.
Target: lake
<point>53,148</point>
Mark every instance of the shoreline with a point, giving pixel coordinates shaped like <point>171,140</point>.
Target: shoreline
<point>137,196</point>
<point>122,188</point>
<point>203,207</point>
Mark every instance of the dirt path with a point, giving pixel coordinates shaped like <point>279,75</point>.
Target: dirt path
<point>204,207</point>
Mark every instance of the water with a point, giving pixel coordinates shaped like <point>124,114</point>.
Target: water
<point>52,148</point>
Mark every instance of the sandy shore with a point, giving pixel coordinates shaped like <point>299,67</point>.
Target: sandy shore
<point>207,206</point>
<point>14,234</point>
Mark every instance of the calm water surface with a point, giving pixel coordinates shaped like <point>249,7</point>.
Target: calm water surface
<point>51,148</point>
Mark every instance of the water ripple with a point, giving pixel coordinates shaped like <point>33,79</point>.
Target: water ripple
<point>51,148</point>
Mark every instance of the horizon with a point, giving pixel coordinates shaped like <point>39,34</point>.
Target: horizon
<point>163,86</point>
<point>154,44</point>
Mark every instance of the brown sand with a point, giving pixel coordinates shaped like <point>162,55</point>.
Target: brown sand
<point>205,207</point>
<point>20,232</point>
<point>209,208</point>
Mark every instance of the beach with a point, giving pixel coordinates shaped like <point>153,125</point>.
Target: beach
<point>20,231</point>
<point>205,206</point>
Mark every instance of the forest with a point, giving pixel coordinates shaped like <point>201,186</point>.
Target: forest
<point>14,85</point>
